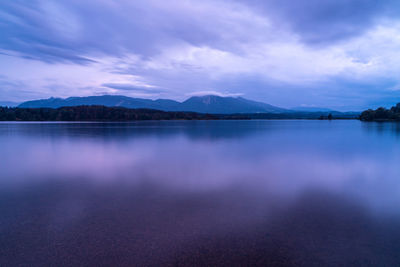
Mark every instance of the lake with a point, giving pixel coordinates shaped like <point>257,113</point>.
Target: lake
<point>200,193</point>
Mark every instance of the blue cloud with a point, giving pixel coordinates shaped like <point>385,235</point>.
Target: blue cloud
<point>336,53</point>
<point>323,22</point>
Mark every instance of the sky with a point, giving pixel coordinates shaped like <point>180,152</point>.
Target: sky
<point>341,54</point>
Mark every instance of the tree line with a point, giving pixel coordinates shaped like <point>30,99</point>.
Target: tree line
<point>103,113</point>
<point>95,113</point>
<point>382,114</point>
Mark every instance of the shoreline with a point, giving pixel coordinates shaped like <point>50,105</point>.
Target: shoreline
<point>121,114</point>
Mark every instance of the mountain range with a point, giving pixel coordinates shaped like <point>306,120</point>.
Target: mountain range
<point>8,104</point>
<point>312,109</point>
<point>203,104</point>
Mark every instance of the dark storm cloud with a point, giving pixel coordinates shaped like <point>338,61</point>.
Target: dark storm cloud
<point>325,21</point>
<point>26,31</point>
<point>72,30</point>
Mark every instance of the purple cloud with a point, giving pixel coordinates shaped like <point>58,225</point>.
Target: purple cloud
<point>285,52</point>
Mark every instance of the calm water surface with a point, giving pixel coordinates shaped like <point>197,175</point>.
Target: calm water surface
<point>200,193</point>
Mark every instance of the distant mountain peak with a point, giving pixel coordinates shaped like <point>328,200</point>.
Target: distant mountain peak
<point>206,99</point>
<point>8,104</point>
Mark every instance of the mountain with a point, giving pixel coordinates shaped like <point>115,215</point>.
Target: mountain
<point>202,104</point>
<point>105,100</point>
<point>8,104</point>
<point>312,109</point>
<point>226,105</point>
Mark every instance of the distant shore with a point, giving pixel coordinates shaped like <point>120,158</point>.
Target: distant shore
<point>102,113</point>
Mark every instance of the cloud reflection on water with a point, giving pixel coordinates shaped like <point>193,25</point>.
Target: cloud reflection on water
<point>284,191</point>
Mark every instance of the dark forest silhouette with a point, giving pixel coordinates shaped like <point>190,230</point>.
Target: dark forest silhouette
<point>102,113</point>
<point>382,114</point>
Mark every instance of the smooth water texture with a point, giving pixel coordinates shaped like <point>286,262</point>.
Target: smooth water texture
<point>200,193</point>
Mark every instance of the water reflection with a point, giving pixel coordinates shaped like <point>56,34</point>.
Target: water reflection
<point>199,193</point>
<point>388,128</point>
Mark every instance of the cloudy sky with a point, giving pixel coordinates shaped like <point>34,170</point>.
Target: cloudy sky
<point>343,54</point>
